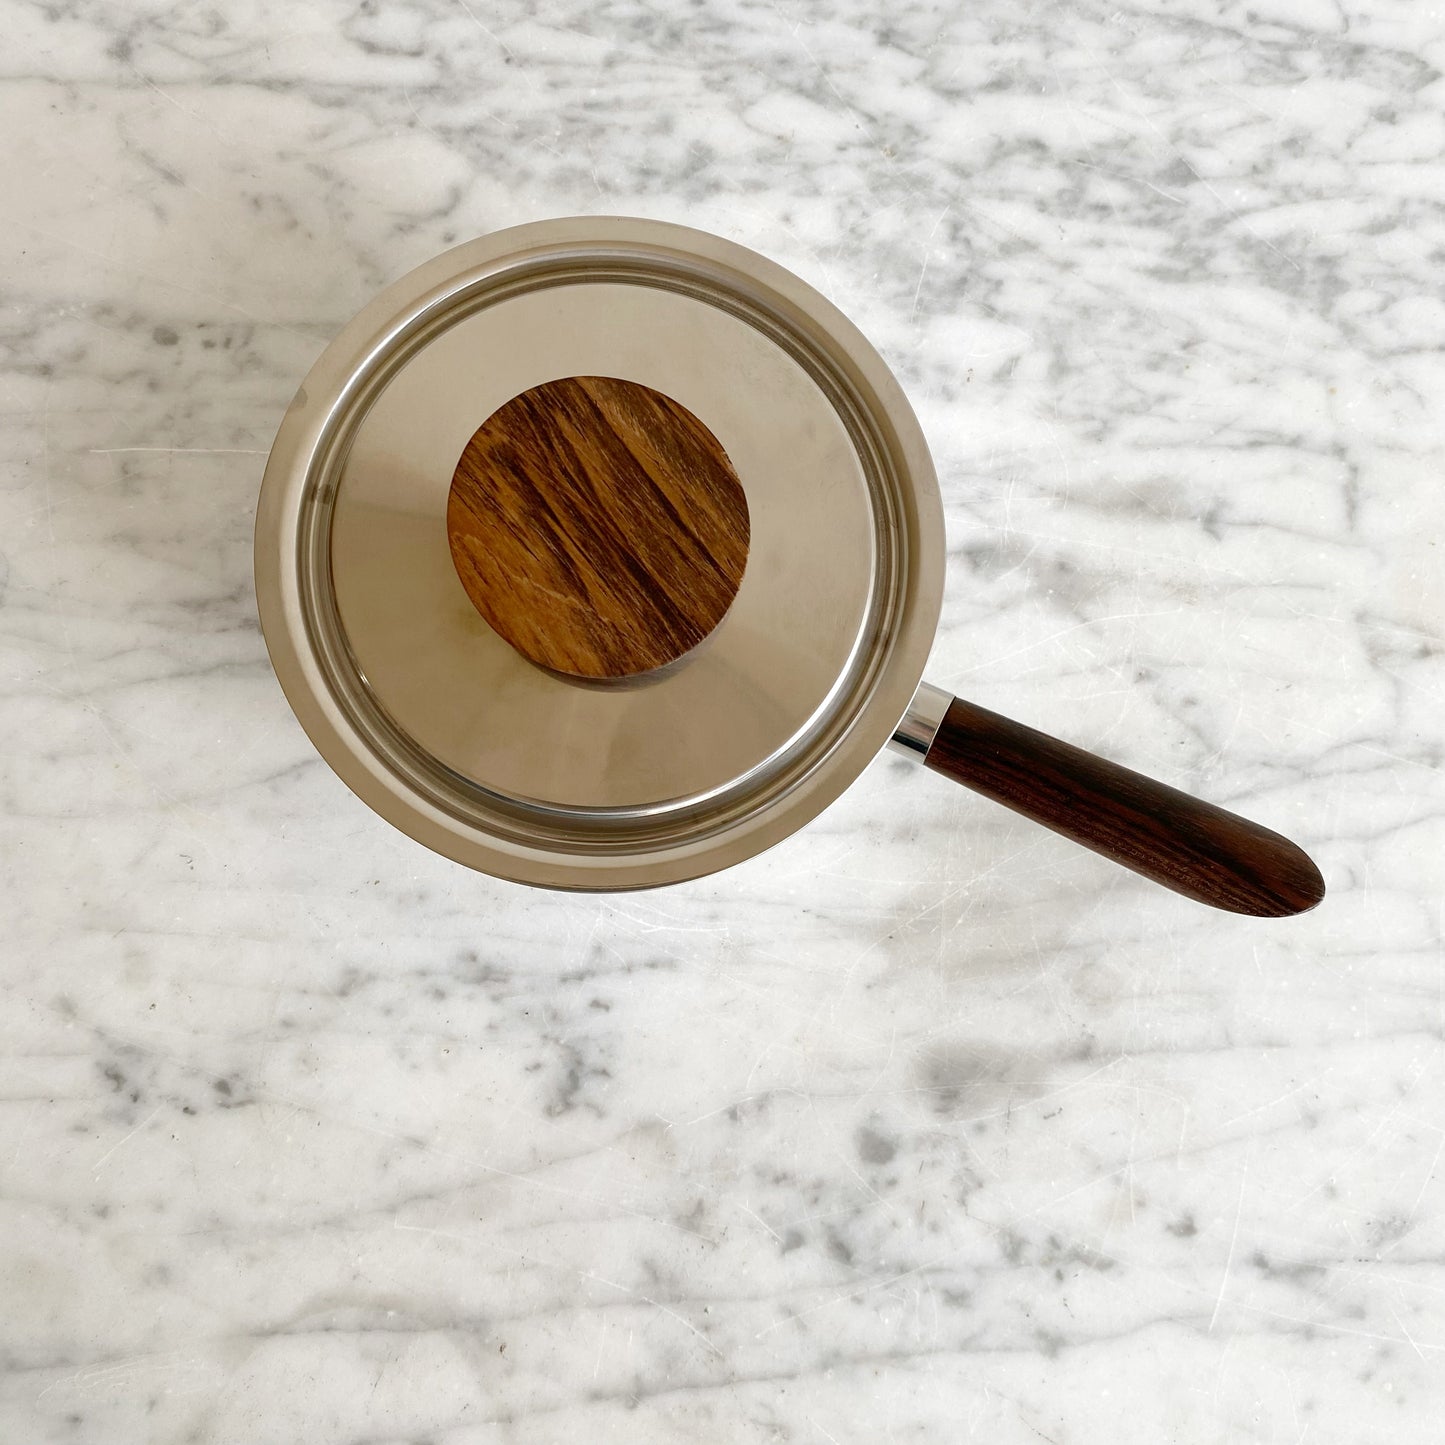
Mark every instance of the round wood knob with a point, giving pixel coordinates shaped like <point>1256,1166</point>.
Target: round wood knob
<point>598,526</point>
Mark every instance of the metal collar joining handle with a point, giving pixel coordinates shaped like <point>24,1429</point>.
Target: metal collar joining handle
<point>915,734</point>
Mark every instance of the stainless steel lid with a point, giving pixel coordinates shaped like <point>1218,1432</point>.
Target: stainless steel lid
<point>438,724</point>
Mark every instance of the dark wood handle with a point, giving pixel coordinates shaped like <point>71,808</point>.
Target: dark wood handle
<point>1192,847</point>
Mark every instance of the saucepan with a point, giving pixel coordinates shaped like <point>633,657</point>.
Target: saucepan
<point>600,553</point>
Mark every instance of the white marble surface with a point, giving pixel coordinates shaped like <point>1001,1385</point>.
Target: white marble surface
<point>924,1126</point>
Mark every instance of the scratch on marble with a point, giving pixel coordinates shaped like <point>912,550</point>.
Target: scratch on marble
<point>796,33</point>
<point>1334,1327</point>
<point>472,14</point>
<point>864,1289</point>
<point>1233,1241</point>
<point>918,289</point>
<point>1183,160</point>
<point>759,1219</point>
<point>119,1143</point>
<point>164,95</point>
<point>1404,1330</point>
<point>923,269</point>
<point>189,451</point>
<point>1384,1122</point>
<point>144,275</point>
<point>656,1304</point>
<point>1429,1177</point>
<point>114,1373</point>
<point>1126,176</point>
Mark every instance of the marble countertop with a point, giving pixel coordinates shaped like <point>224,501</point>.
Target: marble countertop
<point>924,1126</point>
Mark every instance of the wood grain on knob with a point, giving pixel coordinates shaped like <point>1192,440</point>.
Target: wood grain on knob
<point>598,526</point>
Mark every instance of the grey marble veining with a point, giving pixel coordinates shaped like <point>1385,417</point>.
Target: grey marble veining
<point>924,1126</point>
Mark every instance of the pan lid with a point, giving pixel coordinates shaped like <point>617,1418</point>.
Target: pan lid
<point>436,722</point>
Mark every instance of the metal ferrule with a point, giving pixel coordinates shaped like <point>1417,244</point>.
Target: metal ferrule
<point>915,734</point>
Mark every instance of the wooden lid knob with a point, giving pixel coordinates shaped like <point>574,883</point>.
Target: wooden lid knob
<point>598,526</point>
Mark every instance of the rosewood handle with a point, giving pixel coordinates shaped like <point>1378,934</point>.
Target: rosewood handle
<point>1192,847</point>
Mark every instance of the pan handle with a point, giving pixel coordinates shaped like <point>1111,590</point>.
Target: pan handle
<point>1192,847</point>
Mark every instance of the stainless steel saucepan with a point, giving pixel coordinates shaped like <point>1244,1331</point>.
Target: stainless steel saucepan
<point>449,733</point>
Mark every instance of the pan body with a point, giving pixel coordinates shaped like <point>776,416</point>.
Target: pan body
<point>445,731</point>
